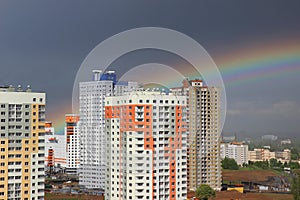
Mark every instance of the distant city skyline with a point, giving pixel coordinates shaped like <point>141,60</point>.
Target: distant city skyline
<point>255,45</point>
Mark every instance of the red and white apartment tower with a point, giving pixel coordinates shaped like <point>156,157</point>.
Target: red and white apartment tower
<point>146,146</point>
<point>72,143</point>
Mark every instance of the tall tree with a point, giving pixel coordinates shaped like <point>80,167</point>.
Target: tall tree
<point>204,192</point>
<point>229,163</point>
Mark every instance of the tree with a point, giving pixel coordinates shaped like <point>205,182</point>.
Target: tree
<point>204,192</point>
<point>296,187</point>
<point>273,163</point>
<point>294,165</point>
<point>229,163</point>
<point>294,154</point>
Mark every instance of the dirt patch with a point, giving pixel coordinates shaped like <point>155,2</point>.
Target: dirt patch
<point>234,195</point>
<point>251,175</point>
<point>53,196</point>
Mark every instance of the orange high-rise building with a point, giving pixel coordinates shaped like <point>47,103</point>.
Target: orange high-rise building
<point>72,143</point>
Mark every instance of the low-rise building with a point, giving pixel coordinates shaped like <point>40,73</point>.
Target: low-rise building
<point>283,156</point>
<point>265,154</point>
<point>236,150</point>
<point>285,142</point>
<point>260,155</point>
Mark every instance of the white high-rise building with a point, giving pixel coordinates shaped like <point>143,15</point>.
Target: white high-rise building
<point>92,126</point>
<point>22,138</point>
<point>147,146</point>
<point>203,117</point>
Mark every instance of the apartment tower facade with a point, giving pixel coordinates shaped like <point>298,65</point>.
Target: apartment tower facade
<point>146,146</point>
<point>22,138</point>
<point>72,143</point>
<point>92,126</point>
<point>203,117</point>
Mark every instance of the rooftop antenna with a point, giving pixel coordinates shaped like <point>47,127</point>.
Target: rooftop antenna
<point>110,72</point>
<point>20,88</point>
<point>28,88</point>
<point>97,74</point>
<point>11,88</point>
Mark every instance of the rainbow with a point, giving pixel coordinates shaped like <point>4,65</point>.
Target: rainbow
<point>245,64</point>
<point>260,62</point>
<point>57,116</point>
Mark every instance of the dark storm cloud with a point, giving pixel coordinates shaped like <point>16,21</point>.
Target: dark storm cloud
<point>42,43</point>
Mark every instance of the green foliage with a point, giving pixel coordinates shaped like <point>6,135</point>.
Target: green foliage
<point>294,156</point>
<point>294,153</point>
<point>204,192</point>
<point>294,165</point>
<point>296,187</point>
<point>229,163</point>
<point>272,164</point>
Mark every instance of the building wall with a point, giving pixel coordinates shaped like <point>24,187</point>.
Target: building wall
<point>22,129</point>
<point>146,139</point>
<point>57,144</point>
<point>238,152</point>
<point>92,124</point>
<point>92,161</point>
<point>266,154</point>
<point>72,143</point>
<point>203,106</point>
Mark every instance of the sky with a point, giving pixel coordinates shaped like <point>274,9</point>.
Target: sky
<point>255,44</point>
